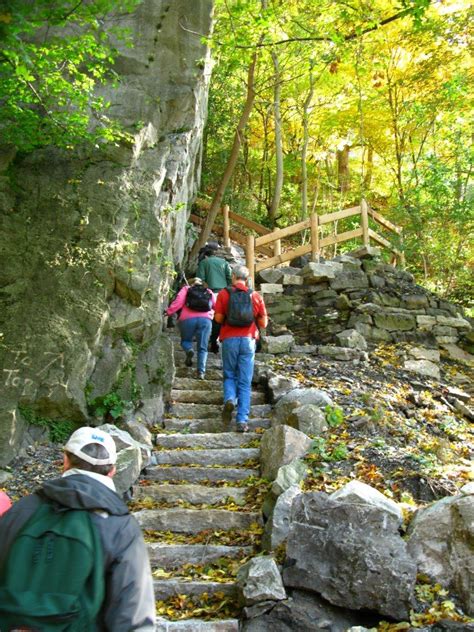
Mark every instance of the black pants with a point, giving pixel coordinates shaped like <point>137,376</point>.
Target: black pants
<point>214,333</point>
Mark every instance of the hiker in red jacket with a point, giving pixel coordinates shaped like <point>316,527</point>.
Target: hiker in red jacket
<point>241,312</point>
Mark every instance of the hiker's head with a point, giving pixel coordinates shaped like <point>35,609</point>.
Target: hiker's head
<point>240,273</point>
<point>92,450</point>
<point>211,248</point>
<point>196,281</point>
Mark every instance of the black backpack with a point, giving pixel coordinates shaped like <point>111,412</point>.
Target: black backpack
<point>240,307</point>
<point>198,298</point>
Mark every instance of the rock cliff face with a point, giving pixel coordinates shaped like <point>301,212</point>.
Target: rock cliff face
<point>89,238</point>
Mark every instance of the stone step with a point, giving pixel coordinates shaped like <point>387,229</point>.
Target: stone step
<point>166,588</point>
<point>193,384</point>
<point>208,397</point>
<point>195,520</point>
<point>227,456</point>
<point>175,555</point>
<point>206,411</point>
<point>199,474</point>
<point>212,375</point>
<point>197,625</point>
<point>213,360</point>
<point>214,425</point>
<point>193,494</point>
<point>209,440</point>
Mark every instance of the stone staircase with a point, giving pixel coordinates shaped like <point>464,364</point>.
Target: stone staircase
<point>195,495</point>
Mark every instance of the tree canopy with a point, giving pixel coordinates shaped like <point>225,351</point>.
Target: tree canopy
<point>360,99</point>
<point>53,57</point>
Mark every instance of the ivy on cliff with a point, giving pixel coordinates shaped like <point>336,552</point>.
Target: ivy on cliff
<point>53,56</point>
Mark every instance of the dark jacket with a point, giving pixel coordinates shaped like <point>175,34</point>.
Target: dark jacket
<point>215,271</point>
<point>130,603</point>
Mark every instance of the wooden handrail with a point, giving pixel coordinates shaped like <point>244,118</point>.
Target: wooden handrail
<point>384,222</point>
<point>283,232</point>
<point>240,219</point>
<point>334,217</point>
<point>269,242</point>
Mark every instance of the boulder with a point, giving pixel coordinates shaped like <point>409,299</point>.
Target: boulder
<point>279,446</point>
<point>278,523</point>
<point>441,541</point>
<point>342,354</point>
<point>124,440</point>
<point>129,465</point>
<point>351,338</point>
<point>420,353</point>
<point>301,396</point>
<point>279,385</point>
<point>395,322</point>
<point>423,367</point>
<point>278,344</point>
<point>260,580</point>
<point>350,280</point>
<point>309,419</point>
<point>365,252</point>
<point>270,275</point>
<point>351,554</point>
<point>271,288</point>
<point>288,475</point>
<point>316,272</point>
<point>303,612</point>
<point>359,493</point>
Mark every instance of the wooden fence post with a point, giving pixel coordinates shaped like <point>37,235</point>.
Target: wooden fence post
<point>315,249</point>
<point>225,213</point>
<point>250,258</point>
<point>364,220</point>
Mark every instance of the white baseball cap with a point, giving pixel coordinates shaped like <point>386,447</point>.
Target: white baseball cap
<point>87,435</point>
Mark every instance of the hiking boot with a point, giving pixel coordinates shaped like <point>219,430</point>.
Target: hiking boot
<point>200,375</point>
<point>227,411</point>
<point>242,427</point>
<point>189,358</point>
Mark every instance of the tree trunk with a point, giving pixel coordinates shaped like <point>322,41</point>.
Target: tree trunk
<point>369,169</point>
<point>304,149</point>
<point>229,170</point>
<point>273,210</point>
<point>343,169</point>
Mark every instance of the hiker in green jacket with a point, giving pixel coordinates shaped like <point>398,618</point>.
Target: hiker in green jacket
<point>216,274</point>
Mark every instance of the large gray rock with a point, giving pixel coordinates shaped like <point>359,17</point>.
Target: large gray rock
<point>303,612</point>
<point>278,523</point>
<point>124,440</point>
<point>278,344</point>
<point>129,465</point>
<point>279,385</point>
<point>423,367</point>
<point>311,395</point>
<point>279,446</point>
<point>317,272</point>
<point>351,554</point>
<point>441,541</point>
<point>359,493</point>
<point>288,475</point>
<point>83,299</point>
<point>309,419</point>
<point>351,338</point>
<point>259,580</point>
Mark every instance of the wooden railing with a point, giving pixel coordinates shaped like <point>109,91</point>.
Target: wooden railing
<point>269,243</point>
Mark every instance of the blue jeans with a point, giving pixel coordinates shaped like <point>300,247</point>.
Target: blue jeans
<point>201,329</point>
<point>238,356</point>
